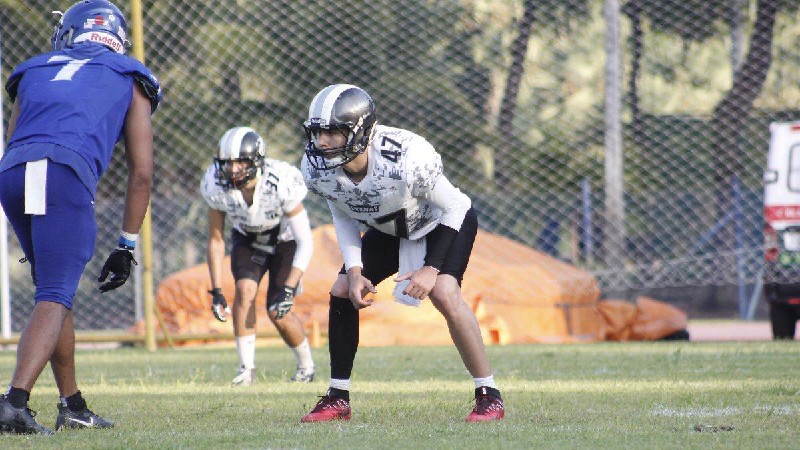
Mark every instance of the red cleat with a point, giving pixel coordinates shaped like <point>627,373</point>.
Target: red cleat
<point>487,407</point>
<point>327,409</point>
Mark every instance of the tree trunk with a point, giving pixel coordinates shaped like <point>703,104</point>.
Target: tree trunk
<point>633,9</point>
<point>519,48</point>
<point>730,118</point>
<point>731,114</point>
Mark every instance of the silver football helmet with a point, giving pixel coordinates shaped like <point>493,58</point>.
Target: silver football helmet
<point>238,144</point>
<point>344,108</point>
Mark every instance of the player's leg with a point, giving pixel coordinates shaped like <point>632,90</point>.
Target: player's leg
<point>58,257</point>
<point>462,323</point>
<point>246,274</point>
<point>73,412</point>
<point>783,320</point>
<point>62,362</point>
<point>290,327</point>
<point>62,256</point>
<point>379,254</point>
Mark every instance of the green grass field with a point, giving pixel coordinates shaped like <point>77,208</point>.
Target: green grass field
<point>610,395</point>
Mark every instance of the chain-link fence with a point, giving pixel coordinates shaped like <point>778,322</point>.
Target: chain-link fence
<point>510,92</point>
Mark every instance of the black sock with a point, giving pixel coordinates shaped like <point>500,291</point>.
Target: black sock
<point>485,390</point>
<point>75,402</point>
<point>338,393</point>
<point>342,336</point>
<point>18,397</point>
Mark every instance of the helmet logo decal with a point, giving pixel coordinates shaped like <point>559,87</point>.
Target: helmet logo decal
<point>104,38</point>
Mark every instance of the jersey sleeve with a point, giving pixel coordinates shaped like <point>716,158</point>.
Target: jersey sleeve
<point>210,191</point>
<point>141,74</point>
<point>16,75</point>
<point>426,179</point>
<point>423,167</point>
<point>13,83</point>
<point>348,235</point>
<point>293,189</point>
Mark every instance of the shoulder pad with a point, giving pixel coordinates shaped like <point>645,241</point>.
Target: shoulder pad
<point>13,80</point>
<point>133,67</point>
<point>152,89</point>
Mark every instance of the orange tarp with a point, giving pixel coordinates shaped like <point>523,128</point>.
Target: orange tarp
<point>518,295</point>
<point>647,320</point>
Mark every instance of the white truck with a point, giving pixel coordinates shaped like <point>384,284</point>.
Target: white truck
<point>782,228</point>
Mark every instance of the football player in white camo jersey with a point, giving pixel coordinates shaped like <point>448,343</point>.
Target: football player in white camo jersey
<point>271,234</point>
<point>417,224</point>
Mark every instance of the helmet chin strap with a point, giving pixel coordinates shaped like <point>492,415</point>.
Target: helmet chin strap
<point>253,181</point>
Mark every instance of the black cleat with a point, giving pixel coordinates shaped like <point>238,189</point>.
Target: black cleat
<point>19,420</point>
<point>84,418</point>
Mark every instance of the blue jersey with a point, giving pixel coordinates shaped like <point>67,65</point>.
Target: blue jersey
<point>73,104</point>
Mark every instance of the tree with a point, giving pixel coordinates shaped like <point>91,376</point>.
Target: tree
<point>732,112</point>
<point>557,17</point>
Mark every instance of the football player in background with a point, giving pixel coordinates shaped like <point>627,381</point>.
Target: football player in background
<point>271,233</point>
<point>71,105</point>
<point>418,225</point>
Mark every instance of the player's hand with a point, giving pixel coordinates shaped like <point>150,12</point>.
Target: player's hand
<point>118,265</point>
<point>218,305</point>
<point>285,304</point>
<point>421,282</point>
<point>359,286</point>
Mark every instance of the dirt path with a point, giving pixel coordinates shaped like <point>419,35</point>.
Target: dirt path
<point>730,330</point>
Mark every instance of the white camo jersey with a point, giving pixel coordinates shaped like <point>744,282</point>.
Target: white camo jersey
<point>404,193</point>
<point>279,190</point>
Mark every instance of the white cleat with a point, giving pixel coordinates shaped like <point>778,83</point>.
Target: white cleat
<point>246,377</point>
<point>303,375</point>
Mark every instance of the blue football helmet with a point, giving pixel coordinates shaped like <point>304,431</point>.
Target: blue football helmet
<point>96,21</point>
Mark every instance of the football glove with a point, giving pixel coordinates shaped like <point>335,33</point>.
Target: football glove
<point>218,305</point>
<point>283,306</point>
<point>118,265</point>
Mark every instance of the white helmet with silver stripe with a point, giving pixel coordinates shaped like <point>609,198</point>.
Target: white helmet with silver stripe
<point>238,144</point>
<point>347,109</point>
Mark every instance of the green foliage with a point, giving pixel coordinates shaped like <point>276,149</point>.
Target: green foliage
<point>608,395</point>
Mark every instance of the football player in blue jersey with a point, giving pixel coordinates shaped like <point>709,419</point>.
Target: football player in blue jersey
<point>71,106</point>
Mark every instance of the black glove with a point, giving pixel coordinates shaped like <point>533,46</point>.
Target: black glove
<point>283,306</point>
<point>218,305</point>
<point>118,265</point>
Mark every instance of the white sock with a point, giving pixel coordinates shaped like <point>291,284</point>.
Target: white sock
<point>246,345</point>
<point>302,354</point>
<point>340,384</point>
<point>488,382</point>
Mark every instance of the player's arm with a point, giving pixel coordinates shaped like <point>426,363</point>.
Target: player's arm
<point>348,236</point>
<point>301,230</point>
<point>215,255</point>
<point>138,134</point>
<point>215,250</point>
<point>139,157</point>
<point>426,179</point>
<point>297,220</point>
<point>454,205</point>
